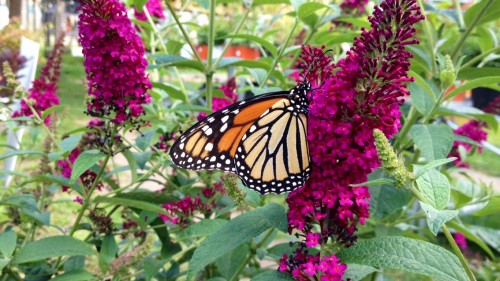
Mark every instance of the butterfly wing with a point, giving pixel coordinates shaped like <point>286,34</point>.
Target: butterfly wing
<point>211,144</point>
<point>273,155</point>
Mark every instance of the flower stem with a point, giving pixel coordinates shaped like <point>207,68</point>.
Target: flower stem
<point>211,41</point>
<point>183,31</point>
<point>410,120</point>
<point>89,194</point>
<point>280,53</point>
<point>466,33</point>
<point>450,239</point>
<point>480,57</point>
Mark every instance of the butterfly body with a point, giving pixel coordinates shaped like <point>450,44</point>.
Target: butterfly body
<point>262,139</point>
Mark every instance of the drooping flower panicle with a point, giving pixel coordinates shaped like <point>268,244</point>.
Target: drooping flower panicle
<point>364,94</point>
<point>43,93</point>
<point>114,62</point>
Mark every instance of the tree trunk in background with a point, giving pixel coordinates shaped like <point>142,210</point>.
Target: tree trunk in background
<point>15,7</point>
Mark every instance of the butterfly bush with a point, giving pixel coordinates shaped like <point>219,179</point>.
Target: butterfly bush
<point>349,6</point>
<point>154,8</point>
<point>364,94</point>
<point>43,93</point>
<point>114,62</point>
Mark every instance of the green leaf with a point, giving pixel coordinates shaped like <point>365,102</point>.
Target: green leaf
<point>258,74</point>
<point>479,82</point>
<point>379,181</point>
<point>277,251</point>
<point>434,141</point>
<point>174,47</point>
<point>229,263</point>
<point>139,4</point>
<point>131,203</point>
<point>226,62</point>
<point>132,163</point>
<point>435,187</point>
<point>69,143</point>
<point>49,111</point>
<point>238,231</point>
<point>297,3</point>
<point>385,199</point>
<point>259,40</point>
<point>471,235</point>
<point>432,165</point>
<point>405,254</point>
<point>423,84</point>
<point>471,112</point>
<point>20,152</point>
<point>272,275</point>
<point>147,196</point>
<point>78,275</point>
<point>202,228</point>
<point>172,92</point>
<point>490,14</point>
<point>4,262</point>
<point>108,252</point>
<point>163,60</point>
<point>55,246</point>
<point>142,158</point>
<point>357,272</point>
<point>84,162</point>
<point>152,266</point>
<point>8,243</point>
<point>423,102</point>
<point>492,207</point>
<point>436,218</point>
<point>144,141</point>
<point>310,8</point>
<point>471,73</point>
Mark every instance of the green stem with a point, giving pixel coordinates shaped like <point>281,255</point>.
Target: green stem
<point>410,120</point>
<point>450,239</point>
<point>211,42</point>
<point>280,53</point>
<point>480,57</point>
<point>89,195</point>
<point>183,31</point>
<point>466,33</point>
<point>240,25</point>
<point>460,17</point>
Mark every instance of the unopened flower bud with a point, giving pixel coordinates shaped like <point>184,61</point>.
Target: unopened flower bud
<point>448,74</point>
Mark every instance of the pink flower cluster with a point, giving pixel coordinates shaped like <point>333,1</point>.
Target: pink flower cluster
<point>461,241</point>
<point>365,93</point>
<point>179,212</point>
<point>154,9</point>
<point>229,90</point>
<point>114,61</point>
<point>305,267</point>
<point>43,93</point>
<point>472,130</point>
<point>353,5</point>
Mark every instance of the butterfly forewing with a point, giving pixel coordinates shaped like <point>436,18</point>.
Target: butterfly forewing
<point>211,143</point>
<point>273,154</point>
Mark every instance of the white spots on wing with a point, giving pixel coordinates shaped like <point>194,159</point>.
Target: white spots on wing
<point>183,154</point>
<point>228,161</point>
<point>236,111</point>
<point>190,159</point>
<point>209,146</point>
<point>223,128</point>
<point>211,119</point>
<point>181,146</point>
<point>213,158</point>
<point>209,131</point>
<point>205,128</point>
<point>253,128</point>
<point>222,157</point>
<point>224,119</point>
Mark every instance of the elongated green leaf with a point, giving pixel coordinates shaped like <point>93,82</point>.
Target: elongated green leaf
<point>436,218</point>
<point>432,165</point>
<point>8,243</point>
<point>139,4</point>
<point>69,143</point>
<point>55,246</point>
<point>471,235</point>
<point>473,84</point>
<point>132,163</point>
<point>172,92</point>
<point>108,252</point>
<point>84,162</point>
<point>50,110</point>
<point>266,44</point>
<point>202,228</point>
<point>385,199</point>
<point>272,275</point>
<point>423,84</point>
<point>20,152</point>
<point>4,262</point>
<point>434,141</point>
<point>471,73</point>
<point>492,207</point>
<point>310,8</point>
<point>226,62</point>
<point>238,231</point>
<point>490,14</point>
<point>131,203</point>
<point>487,118</point>
<point>406,254</point>
<point>78,275</point>
<point>229,263</point>
<point>147,196</point>
<point>378,181</point>
<point>435,187</point>
<point>163,60</point>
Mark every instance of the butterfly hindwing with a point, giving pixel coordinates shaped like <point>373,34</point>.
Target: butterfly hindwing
<point>211,143</point>
<point>273,154</point>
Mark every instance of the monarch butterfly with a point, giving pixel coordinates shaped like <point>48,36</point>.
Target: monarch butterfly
<point>262,139</point>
